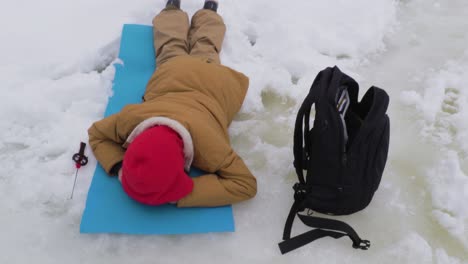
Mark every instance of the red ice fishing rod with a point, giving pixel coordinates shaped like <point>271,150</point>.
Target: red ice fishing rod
<point>80,160</point>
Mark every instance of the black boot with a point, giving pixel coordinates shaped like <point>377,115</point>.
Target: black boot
<point>211,5</point>
<point>173,4</point>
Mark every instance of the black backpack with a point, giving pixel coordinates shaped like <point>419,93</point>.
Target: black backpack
<point>344,156</point>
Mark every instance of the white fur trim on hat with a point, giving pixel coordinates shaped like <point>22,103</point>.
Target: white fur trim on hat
<point>176,126</point>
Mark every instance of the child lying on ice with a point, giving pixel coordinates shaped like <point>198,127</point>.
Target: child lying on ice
<point>183,120</point>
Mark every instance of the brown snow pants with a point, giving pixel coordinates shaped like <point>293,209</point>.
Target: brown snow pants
<point>173,36</point>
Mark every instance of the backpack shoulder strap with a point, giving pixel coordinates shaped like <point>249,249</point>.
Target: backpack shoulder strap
<point>302,145</point>
<point>325,227</point>
<point>317,90</point>
<point>305,238</point>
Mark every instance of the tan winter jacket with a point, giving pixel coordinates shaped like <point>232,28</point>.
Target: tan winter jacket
<point>198,99</point>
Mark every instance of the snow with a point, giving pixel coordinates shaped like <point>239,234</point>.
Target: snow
<point>56,76</point>
<point>443,119</point>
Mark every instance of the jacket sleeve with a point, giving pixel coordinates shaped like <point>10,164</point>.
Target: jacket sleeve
<point>106,142</point>
<point>231,184</point>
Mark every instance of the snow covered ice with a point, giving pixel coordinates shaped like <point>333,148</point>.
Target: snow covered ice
<point>56,76</point>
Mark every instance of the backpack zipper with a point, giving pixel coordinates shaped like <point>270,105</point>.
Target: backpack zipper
<point>342,101</point>
<point>344,158</point>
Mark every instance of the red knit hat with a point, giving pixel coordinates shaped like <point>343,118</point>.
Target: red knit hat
<point>153,167</point>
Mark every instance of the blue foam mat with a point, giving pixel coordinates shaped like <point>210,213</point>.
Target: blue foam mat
<point>108,208</point>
